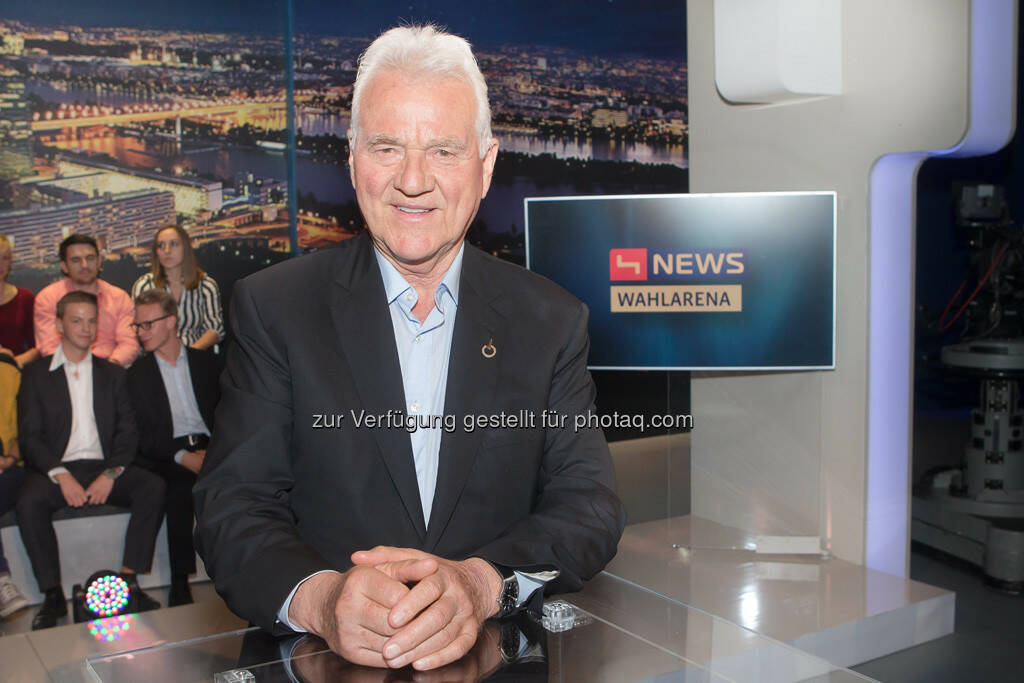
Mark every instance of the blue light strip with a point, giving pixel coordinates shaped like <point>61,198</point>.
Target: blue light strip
<point>892,195</point>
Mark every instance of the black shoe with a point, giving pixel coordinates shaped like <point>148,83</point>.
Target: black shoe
<point>55,606</point>
<point>142,602</point>
<point>180,593</point>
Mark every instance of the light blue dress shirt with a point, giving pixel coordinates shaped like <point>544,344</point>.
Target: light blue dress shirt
<point>185,415</point>
<point>423,352</point>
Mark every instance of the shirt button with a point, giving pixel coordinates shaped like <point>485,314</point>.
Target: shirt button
<point>409,297</point>
<point>415,407</point>
<point>417,339</point>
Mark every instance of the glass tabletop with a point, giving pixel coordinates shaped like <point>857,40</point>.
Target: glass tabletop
<point>621,632</point>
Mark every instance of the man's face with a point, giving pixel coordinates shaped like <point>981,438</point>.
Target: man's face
<point>416,166</point>
<point>78,326</point>
<point>81,264</point>
<point>159,330</point>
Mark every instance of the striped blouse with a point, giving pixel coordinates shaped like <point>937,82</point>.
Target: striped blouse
<point>198,311</point>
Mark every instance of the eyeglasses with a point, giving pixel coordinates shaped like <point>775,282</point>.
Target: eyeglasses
<point>146,326</point>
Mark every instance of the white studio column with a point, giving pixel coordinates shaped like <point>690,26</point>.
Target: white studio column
<point>853,108</point>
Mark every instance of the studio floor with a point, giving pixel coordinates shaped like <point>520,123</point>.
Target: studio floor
<point>985,647</point>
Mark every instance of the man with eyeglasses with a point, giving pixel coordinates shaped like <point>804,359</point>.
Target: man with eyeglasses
<point>174,391</point>
<point>77,433</point>
<point>80,263</point>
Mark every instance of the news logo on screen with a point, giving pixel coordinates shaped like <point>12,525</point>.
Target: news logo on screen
<point>736,281</point>
<point>627,264</point>
<point>701,270</point>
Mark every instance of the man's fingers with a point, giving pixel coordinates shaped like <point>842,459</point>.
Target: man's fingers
<point>386,553</point>
<point>419,598</point>
<point>377,586</point>
<point>430,631</point>
<point>372,640</point>
<point>455,650</point>
<point>408,571</point>
<point>77,498</point>
<point>374,619</point>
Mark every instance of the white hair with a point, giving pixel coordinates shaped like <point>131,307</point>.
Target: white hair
<point>418,51</point>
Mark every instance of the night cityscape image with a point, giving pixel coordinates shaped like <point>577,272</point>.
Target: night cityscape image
<point>116,120</point>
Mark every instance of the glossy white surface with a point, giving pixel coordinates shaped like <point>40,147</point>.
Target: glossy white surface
<point>777,51</point>
<point>828,607</point>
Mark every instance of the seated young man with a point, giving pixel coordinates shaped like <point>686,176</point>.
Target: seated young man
<point>78,437</point>
<point>174,392</point>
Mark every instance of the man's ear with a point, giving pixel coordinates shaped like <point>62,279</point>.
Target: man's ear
<point>488,162</point>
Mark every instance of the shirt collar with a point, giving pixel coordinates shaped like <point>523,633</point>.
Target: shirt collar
<point>101,286</point>
<point>60,359</point>
<point>395,284</point>
<point>177,361</point>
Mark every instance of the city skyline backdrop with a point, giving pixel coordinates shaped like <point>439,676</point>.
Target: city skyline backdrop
<point>120,119</point>
<point>652,28</point>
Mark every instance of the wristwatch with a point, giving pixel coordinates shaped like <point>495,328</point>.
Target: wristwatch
<point>113,472</point>
<point>509,642</point>
<point>508,598</point>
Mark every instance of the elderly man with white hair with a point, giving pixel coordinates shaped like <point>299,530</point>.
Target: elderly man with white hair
<point>394,459</point>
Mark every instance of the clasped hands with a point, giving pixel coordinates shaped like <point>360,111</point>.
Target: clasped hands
<point>399,606</point>
<point>76,496</point>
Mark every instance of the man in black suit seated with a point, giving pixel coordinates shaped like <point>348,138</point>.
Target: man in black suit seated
<point>78,438</point>
<point>174,391</point>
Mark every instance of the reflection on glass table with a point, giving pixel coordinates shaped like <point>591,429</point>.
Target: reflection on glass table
<point>622,634</point>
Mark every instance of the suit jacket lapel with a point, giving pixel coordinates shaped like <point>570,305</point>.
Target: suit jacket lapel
<point>472,382</point>
<point>155,379</point>
<point>100,380</point>
<point>366,338</point>
<point>199,372</point>
<point>62,395</point>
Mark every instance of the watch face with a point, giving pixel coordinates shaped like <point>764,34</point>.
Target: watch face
<point>509,596</point>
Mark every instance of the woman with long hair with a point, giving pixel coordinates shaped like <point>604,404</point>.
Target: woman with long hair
<point>17,335</point>
<point>175,269</point>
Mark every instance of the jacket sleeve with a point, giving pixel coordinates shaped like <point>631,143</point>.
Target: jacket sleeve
<point>153,442</point>
<point>35,449</point>
<point>126,435</point>
<point>245,530</point>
